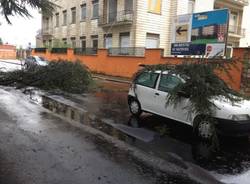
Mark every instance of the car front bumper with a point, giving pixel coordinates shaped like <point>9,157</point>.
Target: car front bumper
<point>233,128</point>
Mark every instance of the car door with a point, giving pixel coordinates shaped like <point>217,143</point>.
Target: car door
<point>177,111</point>
<point>145,90</point>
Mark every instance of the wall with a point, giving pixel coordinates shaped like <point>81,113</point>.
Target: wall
<point>7,52</point>
<point>126,66</point>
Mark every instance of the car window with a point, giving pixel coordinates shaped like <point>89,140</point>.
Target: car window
<point>32,59</point>
<point>40,59</point>
<point>147,79</point>
<point>168,82</point>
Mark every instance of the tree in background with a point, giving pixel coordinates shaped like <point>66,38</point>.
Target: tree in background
<point>1,41</point>
<point>19,7</point>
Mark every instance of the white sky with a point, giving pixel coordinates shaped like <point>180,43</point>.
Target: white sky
<point>22,31</point>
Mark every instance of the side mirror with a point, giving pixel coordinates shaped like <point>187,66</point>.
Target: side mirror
<point>183,94</point>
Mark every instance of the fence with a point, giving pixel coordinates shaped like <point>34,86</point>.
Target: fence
<point>124,66</point>
<point>126,51</point>
<point>59,50</point>
<point>42,50</point>
<point>85,51</point>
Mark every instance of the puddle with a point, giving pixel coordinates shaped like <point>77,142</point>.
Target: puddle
<point>226,158</point>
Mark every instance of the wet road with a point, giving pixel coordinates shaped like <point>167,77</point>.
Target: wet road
<point>36,147</point>
<point>227,158</point>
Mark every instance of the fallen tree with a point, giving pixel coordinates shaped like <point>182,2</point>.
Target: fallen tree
<point>201,85</point>
<point>72,77</point>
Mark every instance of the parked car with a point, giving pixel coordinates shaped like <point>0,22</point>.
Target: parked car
<point>35,61</point>
<point>149,91</point>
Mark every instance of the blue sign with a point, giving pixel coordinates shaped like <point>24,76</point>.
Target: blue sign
<point>188,49</point>
<point>216,17</point>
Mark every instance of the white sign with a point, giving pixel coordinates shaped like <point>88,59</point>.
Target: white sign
<point>216,49</point>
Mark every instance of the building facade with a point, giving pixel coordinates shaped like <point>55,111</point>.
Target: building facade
<point>124,25</point>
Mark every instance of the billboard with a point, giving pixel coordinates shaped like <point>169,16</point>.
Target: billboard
<point>201,34</point>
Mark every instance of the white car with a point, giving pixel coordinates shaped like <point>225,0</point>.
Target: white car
<point>149,92</point>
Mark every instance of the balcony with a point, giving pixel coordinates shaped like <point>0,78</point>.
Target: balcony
<point>85,51</point>
<point>118,18</point>
<point>239,2</point>
<point>236,31</point>
<point>46,33</point>
<point>244,2</point>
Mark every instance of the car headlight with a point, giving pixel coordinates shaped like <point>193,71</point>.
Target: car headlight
<point>240,117</point>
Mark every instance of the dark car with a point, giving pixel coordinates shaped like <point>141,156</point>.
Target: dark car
<point>35,61</point>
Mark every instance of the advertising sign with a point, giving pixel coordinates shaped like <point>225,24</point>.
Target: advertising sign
<point>206,31</point>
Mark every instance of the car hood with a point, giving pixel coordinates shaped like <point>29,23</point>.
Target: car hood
<point>227,108</point>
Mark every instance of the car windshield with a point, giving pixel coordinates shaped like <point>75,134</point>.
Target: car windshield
<point>40,59</point>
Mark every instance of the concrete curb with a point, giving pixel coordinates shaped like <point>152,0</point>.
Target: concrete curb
<point>111,79</point>
<point>163,170</point>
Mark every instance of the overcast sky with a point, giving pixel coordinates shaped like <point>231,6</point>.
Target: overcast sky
<point>22,31</point>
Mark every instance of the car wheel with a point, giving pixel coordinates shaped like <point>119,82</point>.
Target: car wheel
<point>206,129</point>
<point>135,107</point>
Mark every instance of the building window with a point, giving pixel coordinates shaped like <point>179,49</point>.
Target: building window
<point>95,12</point>
<point>83,42</point>
<point>73,15</point>
<point>64,42</point>
<point>46,24</point>
<point>154,6</point>
<point>152,41</point>
<point>65,17</point>
<point>124,40</point>
<point>83,12</point>
<point>94,42</point>
<point>108,41</point>
<point>128,5</point>
<point>57,20</point>
<point>233,22</point>
<point>73,42</point>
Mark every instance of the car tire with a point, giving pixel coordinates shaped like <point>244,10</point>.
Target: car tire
<point>205,128</point>
<point>135,107</point>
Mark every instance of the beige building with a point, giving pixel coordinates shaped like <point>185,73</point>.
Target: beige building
<point>127,24</point>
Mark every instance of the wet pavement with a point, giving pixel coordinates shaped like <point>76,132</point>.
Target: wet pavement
<point>37,147</point>
<point>226,158</point>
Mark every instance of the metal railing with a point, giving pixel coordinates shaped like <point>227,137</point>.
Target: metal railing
<point>236,30</point>
<point>59,50</point>
<point>40,50</point>
<point>125,16</point>
<point>242,1</point>
<point>85,51</point>
<point>46,31</point>
<point>127,51</point>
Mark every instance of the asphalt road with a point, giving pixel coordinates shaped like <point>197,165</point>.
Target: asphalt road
<point>39,148</point>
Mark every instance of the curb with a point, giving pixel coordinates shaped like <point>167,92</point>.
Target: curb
<point>165,171</point>
<point>112,79</point>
